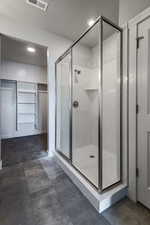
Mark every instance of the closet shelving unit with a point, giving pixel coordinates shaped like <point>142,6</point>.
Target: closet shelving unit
<point>26,105</point>
<point>41,88</point>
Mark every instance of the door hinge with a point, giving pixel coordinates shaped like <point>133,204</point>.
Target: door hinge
<point>137,172</point>
<point>137,109</point>
<point>138,41</point>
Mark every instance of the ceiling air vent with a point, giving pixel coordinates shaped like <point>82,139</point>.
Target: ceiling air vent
<point>39,4</point>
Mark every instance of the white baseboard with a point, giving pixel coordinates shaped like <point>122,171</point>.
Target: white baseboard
<point>50,153</point>
<point>0,164</point>
<point>21,134</point>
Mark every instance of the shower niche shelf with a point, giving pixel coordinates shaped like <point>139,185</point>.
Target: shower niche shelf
<point>91,89</point>
<point>91,84</point>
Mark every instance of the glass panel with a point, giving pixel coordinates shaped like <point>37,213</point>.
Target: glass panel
<point>111,106</point>
<point>86,105</point>
<point>63,78</point>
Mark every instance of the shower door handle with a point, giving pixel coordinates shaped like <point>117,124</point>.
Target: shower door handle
<point>75,104</point>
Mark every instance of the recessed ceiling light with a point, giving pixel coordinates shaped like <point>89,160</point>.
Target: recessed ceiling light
<point>91,22</point>
<point>31,49</point>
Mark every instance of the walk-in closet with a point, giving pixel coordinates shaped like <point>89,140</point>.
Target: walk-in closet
<point>23,101</point>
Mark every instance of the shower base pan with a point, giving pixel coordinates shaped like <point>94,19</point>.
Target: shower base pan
<point>100,201</point>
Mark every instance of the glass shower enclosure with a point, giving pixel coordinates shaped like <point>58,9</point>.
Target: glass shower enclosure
<point>89,104</point>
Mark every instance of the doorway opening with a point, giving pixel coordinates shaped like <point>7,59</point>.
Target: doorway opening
<point>23,101</point>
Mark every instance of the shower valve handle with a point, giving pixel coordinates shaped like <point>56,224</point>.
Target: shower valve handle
<point>75,104</point>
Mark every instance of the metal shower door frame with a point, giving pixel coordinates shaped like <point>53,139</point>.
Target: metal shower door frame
<point>99,20</point>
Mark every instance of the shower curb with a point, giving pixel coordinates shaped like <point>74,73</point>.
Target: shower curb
<point>100,201</point>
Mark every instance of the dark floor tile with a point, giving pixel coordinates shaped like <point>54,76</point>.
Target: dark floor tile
<point>38,182</point>
<point>75,205</point>
<point>79,209</point>
<point>47,209</point>
<point>33,168</point>
<point>126,212</point>
<point>36,177</point>
<point>22,149</point>
<point>88,219</point>
<point>14,208</point>
<point>12,182</point>
<point>52,169</point>
<point>38,192</point>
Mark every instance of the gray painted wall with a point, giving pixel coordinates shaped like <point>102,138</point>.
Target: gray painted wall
<point>130,8</point>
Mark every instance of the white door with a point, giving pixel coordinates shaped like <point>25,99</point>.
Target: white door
<point>143,116</point>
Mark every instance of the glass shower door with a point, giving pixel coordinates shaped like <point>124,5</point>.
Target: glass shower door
<point>89,104</point>
<point>85,103</point>
<point>63,106</point>
<point>111,108</point>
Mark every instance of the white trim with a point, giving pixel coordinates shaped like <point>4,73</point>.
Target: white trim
<point>50,153</point>
<point>17,134</point>
<point>125,102</point>
<point>0,164</point>
<point>139,18</point>
<point>132,112</point>
<point>124,26</point>
<point>133,25</point>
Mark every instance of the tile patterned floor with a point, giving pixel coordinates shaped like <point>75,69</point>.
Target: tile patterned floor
<point>21,149</point>
<point>39,193</point>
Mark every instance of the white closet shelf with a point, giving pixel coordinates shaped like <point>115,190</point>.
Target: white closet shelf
<point>26,91</point>
<point>26,113</point>
<point>5,88</point>
<point>26,102</point>
<point>31,122</point>
<point>42,91</point>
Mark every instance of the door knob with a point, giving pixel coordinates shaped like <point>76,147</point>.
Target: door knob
<point>75,104</point>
